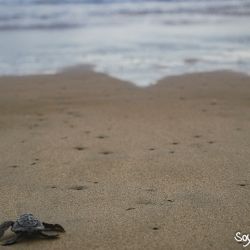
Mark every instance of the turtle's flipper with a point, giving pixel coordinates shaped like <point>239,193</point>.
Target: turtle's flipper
<point>12,240</point>
<point>53,227</point>
<point>49,234</point>
<point>4,226</point>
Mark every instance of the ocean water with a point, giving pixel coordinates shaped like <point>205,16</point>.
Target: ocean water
<point>139,41</point>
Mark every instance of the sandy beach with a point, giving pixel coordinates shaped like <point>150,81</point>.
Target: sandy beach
<point>122,167</point>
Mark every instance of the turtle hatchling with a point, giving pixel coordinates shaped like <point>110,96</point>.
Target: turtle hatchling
<point>27,226</point>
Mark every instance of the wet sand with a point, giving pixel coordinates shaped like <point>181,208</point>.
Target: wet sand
<point>121,167</point>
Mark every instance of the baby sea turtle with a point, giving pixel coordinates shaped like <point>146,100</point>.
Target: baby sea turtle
<point>29,226</point>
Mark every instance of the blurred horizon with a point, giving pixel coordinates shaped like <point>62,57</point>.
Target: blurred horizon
<point>139,41</point>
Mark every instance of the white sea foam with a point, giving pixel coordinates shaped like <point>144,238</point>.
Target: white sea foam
<point>140,41</point>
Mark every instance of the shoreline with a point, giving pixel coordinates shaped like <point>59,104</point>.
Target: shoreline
<point>81,68</point>
<point>124,167</point>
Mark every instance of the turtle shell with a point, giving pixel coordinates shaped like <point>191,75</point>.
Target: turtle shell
<point>27,223</point>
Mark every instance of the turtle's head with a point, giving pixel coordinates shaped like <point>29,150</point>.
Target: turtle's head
<point>26,215</point>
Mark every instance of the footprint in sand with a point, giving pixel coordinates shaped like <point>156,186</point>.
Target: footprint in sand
<point>213,103</point>
<point>150,190</point>
<point>13,166</point>
<point>243,183</point>
<point>106,152</point>
<point>130,208</point>
<point>78,188</point>
<point>102,136</point>
<point>151,149</point>
<point>175,143</point>
<point>197,136</point>
<point>211,142</point>
<point>41,119</point>
<point>79,148</point>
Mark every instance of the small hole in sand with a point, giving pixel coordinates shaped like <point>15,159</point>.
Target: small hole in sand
<point>151,149</point>
<point>171,152</point>
<point>155,228</point>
